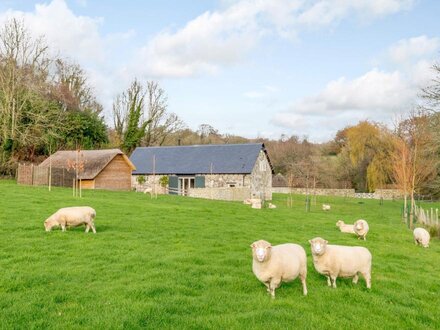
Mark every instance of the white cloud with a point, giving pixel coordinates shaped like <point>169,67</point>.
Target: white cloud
<point>330,11</point>
<point>75,36</point>
<point>377,94</point>
<point>226,36</point>
<point>407,50</point>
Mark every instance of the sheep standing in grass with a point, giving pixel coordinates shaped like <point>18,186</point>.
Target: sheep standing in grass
<point>281,263</point>
<point>361,229</point>
<point>422,237</point>
<point>72,217</point>
<point>344,228</point>
<point>335,261</point>
<point>326,207</point>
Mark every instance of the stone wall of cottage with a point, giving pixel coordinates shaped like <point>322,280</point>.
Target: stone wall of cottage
<point>151,182</point>
<point>226,180</point>
<point>261,178</point>
<point>224,193</point>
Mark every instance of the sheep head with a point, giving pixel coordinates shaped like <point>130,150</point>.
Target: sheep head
<point>359,225</point>
<point>49,224</point>
<point>261,250</point>
<point>339,223</point>
<point>318,246</point>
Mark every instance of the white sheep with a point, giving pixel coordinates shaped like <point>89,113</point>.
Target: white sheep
<point>344,228</point>
<point>361,229</point>
<point>422,237</point>
<point>72,217</point>
<point>326,207</point>
<point>335,261</point>
<point>272,206</point>
<point>281,263</point>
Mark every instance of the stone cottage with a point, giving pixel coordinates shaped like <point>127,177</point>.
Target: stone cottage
<point>226,171</point>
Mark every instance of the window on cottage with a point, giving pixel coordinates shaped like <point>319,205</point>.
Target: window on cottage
<point>231,184</point>
<point>262,166</point>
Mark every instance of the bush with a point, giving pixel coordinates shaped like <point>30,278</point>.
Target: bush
<point>434,230</point>
<point>163,181</point>
<point>141,179</point>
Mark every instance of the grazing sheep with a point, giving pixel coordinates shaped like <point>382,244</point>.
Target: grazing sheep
<point>335,261</point>
<point>344,228</point>
<point>281,263</point>
<point>256,203</point>
<point>422,237</point>
<point>326,207</point>
<point>73,217</point>
<point>361,229</point>
<point>272,206</point>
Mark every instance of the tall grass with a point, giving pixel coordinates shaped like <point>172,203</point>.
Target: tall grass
<point>176,262</point>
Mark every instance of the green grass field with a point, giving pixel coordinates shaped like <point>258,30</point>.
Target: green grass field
<point>177,262</point>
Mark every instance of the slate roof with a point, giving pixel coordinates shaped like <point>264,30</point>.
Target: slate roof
<point>94,160</point>
<point>197,159</point>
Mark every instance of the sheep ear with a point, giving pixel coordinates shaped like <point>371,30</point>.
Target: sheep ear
<point>326,242</point>
<point>252,245</point>
<point>310,241</point>
<point>269,247</point>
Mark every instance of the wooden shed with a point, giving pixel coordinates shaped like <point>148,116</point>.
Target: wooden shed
<point>101,169</point>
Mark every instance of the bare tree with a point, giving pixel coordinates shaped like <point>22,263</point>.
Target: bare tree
<point>415,157</point>
<point>128,116</point>
<point>73,90</point>
<point>160,122</point>
<point>24,66</point>
<point>140,116</point>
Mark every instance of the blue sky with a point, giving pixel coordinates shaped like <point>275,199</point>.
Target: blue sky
<point>253,68</point>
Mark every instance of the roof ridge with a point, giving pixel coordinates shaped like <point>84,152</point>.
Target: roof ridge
<point>203,145</point>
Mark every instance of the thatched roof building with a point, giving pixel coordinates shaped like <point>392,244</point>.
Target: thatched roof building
<point>99,169</point>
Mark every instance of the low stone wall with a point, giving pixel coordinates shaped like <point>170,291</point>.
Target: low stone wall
<point>319,192</point>
<point>226,194</point>
<point>387,194</point>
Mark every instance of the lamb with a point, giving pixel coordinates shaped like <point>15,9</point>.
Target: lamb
<point>344,228</point>
<point>281,263</point>
<point>335,261</point>
<point>326,207</point>
<point>272,206</point>
<point>422,237</point>
<point>72,216</point>
<point>361,229</point>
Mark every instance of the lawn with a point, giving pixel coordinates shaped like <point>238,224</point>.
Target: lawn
<point>176,262</point>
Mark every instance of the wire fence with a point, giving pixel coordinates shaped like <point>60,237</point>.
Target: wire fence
<point>34,175</point>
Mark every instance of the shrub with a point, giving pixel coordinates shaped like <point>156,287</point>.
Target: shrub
<point>163,181</point>
<point>141,179</point>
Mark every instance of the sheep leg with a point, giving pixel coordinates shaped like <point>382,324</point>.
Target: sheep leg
<point>63,227</point>
<point>333,279</point>
<point>304,285</point>
<point>355,278</point>
<point>329,282</point>
<point>367,277</point>
<point>87,227</point>
<point>93,227</point>
<point>267,286</point>
<point>274,283</point>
